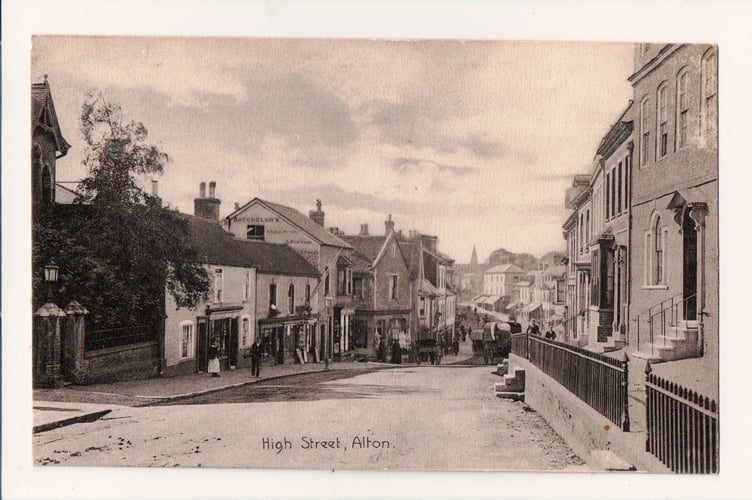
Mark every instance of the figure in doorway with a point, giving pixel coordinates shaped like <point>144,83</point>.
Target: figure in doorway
<point>214,359</point>
<point>256,353</point>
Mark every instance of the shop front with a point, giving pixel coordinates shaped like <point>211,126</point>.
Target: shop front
<point>220,327</point>
<point>288,340</point>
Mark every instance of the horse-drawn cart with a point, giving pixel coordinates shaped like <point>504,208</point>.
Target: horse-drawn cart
<point>494,341</point>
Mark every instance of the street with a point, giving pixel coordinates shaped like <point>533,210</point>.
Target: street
<point>412,418</point>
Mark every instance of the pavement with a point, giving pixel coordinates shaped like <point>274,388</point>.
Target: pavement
<point>54,408</point>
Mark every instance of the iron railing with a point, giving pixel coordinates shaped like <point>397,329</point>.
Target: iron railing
<point>116,337</point>
<point>598,380</point>
<point>682,427</point>
<point>519,344</point>
<point>660,320</point>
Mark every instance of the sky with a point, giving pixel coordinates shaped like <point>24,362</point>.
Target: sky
<point>474,142</point>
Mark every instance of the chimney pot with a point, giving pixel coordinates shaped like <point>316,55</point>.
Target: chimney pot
<point>389,225</point>
<point>202,190</point>
<point>212,186</point>
<point>155,188</point>
<point>364,229</point>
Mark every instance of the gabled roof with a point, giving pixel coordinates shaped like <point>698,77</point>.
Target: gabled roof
<point>43,114</point>
<point>506,268</point>
<point>296,218</point>
<point>219,247</point>
<point>367,248</point>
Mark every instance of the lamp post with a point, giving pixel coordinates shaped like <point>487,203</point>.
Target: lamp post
<point>328,304</point>
<point>50,276</point>
<point>47,338</point>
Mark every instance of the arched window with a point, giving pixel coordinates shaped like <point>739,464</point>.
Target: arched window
<point>682,107</point>
<point>662,120</point>
<point>645,130</point>
<point>709,114</point>
<point>658,255</point>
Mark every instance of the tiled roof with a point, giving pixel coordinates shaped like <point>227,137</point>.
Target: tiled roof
<point>367,246</point>
<point>298,219</point>
<point>505,268</point>
<point>222,248</point>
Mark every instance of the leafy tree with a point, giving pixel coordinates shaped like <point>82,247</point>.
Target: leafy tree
<point>118,249</point>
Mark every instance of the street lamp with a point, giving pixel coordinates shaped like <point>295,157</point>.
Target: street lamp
<point>328,304</point>
<point>50,276</point>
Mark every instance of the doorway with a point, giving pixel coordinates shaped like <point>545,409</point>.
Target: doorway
<point>689,235</point>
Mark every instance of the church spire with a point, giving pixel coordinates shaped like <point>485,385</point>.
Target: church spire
<point>474,258</point>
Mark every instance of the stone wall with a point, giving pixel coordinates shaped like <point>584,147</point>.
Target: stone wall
<point>129,362</point>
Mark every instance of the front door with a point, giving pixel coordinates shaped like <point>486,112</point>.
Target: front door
<point>202,354</point>
<point>233,345</point>
<point>690,267</point>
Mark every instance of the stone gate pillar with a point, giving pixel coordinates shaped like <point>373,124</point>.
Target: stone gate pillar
<point>47,346</point>
<point>75,367</point>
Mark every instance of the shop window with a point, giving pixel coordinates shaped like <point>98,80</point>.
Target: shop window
<point>360,334</point>
<point>186,339</point>
<point>245,331</point>
<point>254,232</point>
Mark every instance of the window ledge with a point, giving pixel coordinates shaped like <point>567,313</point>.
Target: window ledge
<point>654,287</point>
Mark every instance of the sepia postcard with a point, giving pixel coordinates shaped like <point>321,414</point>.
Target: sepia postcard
<point>455,254</point>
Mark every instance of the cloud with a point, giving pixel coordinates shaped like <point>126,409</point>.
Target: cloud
<point>401,164</point>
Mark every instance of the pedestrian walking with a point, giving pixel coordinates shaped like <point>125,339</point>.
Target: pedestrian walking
<point>256,353</point>
<point>533,328</point>
<point>214,359</point>
<point>456,347</point>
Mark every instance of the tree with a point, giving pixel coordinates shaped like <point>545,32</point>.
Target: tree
<point>118,249</point>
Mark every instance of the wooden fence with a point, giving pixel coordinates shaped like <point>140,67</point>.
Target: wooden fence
<point>682,427</point>
<point>598,380</point>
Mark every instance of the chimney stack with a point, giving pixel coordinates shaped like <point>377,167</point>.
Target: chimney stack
<point>389,225</point>
<point>207,208</point>
<point>364,230</point>
<point>317,215</point>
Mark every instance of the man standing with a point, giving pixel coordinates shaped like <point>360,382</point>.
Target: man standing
<point>533,328</point>
<point>256,352</point>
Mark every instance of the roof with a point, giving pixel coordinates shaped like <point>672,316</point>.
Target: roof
<point>306,224</point>
<point>41,100</point>
<point>65,195</point>
<point>505,268</point>
<point>557,271</point>
<point>222,248</point>
<point>492,299</point>
<point>617,134</point>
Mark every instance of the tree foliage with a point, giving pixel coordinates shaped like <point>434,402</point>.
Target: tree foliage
<point>118,249</point>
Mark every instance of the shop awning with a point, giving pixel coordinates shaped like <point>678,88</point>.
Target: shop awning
<point>492,299</point>
<point>531,307</point>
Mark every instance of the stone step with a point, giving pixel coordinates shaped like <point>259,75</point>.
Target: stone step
<point>515,396</point>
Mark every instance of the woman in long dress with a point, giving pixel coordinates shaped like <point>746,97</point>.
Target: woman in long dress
<point>214,359</point>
